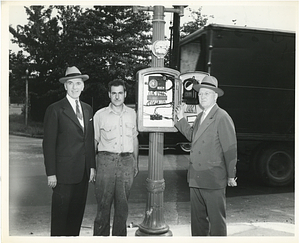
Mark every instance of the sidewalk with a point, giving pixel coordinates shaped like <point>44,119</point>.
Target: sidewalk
<point>39,224</point>
<point>238,229</point>
<point>180,226</point>
<point>177,217</point>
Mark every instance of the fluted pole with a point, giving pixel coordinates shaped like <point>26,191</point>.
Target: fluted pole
<point>154,222</point>
<point>158,32</point>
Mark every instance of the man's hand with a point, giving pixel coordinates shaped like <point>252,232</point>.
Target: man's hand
<point>179,110</point>
<point>52,181</point>
<point>232,182</point>
<point>92,175</point>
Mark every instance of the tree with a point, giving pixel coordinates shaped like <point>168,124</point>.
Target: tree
<point>17,69</point>
<point>105,42</point>
<point>199,22</point>
<point>114,42</point>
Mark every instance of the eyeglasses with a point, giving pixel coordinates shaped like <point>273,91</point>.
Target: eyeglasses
<point>205,94</point>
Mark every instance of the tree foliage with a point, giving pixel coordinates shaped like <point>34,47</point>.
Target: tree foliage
<point>17,67</point>
<point>104,42</point>
<point>198,22</point>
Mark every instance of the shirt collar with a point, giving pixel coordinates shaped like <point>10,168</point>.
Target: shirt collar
<point>111,109</point>
<point>71,100</point>
<point>209,109</point>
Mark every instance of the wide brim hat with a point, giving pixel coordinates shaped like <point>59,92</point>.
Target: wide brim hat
<point>73,72</point>
<point>209,82</point>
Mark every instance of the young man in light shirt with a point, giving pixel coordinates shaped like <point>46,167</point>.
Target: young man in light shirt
<point>117,160</point>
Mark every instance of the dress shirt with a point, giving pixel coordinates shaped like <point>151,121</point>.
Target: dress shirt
<point>205,113</point>
<point>115,132</point>
<point>73,104</point>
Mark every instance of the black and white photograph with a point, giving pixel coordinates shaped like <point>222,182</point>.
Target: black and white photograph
<point>122,120</point>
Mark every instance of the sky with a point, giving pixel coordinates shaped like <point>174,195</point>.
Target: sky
<point>280,15</point>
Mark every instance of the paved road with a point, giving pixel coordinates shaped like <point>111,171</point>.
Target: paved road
<point>30,198</point>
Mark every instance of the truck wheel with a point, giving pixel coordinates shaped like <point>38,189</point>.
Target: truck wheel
<point>276,166</point>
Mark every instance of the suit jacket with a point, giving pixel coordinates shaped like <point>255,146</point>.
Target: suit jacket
<point>213,154</point>
<point>68,150</point>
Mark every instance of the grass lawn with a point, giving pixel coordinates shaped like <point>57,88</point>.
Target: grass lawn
<point>17,125</point>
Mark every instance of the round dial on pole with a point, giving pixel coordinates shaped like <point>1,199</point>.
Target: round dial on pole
<point>160,48</point>
<point>153,83</point>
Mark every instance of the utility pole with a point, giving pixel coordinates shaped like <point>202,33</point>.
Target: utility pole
<point>175,40</point>
<point>27,77</point>
<point>154,222</point>
<point>26,99</point>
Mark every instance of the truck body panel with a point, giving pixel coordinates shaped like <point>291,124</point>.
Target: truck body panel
<point>256,70</point>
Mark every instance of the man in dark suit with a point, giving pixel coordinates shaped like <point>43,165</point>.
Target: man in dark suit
<point>213,159</point>
<point>69,156</point>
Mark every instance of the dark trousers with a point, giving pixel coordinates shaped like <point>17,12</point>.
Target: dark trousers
<point>68,204</point>
<point>113,183</point>
<point>208,212</point>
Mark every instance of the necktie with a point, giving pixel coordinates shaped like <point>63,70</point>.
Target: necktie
<point>203,116</point>
<point>78,113</point>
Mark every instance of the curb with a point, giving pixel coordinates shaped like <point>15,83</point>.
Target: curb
<point>26,135</point>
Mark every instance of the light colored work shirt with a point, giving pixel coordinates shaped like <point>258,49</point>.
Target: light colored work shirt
<point>115,132</point>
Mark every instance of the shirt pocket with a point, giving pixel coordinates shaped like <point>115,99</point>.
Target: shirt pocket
<point>109,133</point>
<point>129,129</point>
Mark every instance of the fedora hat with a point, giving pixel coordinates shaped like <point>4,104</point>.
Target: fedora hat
<point>209,82</point>
<point>73,72</point>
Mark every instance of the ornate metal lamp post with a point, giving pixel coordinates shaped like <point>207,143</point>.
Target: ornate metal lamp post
<point>154,222</point>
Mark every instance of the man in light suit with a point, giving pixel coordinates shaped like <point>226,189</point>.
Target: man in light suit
<point>69,156</point>
<point>213,159</point>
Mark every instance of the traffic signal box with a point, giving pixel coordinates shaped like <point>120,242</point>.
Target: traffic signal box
<point>159,92</point>
<point>190,96</point>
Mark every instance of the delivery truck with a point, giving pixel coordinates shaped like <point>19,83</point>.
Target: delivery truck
<point>256,70</point>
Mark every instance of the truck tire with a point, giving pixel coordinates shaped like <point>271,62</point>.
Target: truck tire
<point>276,166</point>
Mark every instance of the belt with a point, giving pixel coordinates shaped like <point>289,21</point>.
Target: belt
<point>124,154</point>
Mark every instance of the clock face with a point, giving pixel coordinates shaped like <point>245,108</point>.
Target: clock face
<point>160,48</point>
<point>188,85</point>
<point>153,83</point>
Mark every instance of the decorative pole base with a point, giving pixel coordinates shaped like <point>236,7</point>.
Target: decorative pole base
<point>154,222</point>
<point>139,232</point>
